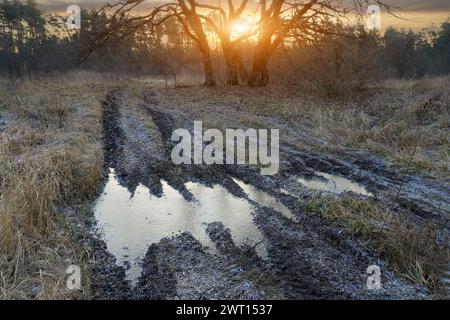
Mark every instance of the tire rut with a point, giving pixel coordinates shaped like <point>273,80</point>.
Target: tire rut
<point>306,258</point>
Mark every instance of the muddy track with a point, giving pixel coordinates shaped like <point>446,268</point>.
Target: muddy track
<point>305,257</point>
<point>5,121</point>
<point>421,196</point>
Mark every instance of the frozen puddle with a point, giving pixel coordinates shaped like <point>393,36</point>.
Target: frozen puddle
<point>129,224</point>
<point>334,184</point>
<point>264,199</point>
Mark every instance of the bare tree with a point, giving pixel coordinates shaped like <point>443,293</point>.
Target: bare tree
<point>299,19</point>
<point>228,17</point>
<point>123,23</point>
<point>277,20</point>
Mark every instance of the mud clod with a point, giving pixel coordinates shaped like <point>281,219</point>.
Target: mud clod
<point>306,259</point>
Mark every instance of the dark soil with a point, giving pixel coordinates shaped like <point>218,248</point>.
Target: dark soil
<point>307,259</point>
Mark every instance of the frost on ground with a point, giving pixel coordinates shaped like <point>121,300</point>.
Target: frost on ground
<point>306,257</point>
<point>306,242</point>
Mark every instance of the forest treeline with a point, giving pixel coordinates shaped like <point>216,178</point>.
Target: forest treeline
<point>33,42</point>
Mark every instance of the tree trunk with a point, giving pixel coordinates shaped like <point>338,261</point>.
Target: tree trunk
<point>232,71</point>
<point>205,51</point>
<point>233,76</point>
<point>243,73</point>
<point>259,75</point>
<point>235,67</point>
<point>208,70</point>
<point>207,64</point>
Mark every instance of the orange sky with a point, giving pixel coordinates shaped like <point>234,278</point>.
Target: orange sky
<point>416,20</point>
<point>418,13</point>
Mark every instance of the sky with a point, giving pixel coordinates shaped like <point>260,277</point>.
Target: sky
<point>418,13</point>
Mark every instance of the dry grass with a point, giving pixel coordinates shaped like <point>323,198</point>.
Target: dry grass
<point>50,157</point>
<point>388,120</point>
<point>392,120</point>
<point>420,252</point>
<point>394,123</point>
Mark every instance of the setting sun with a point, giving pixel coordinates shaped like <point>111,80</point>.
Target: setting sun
<point>240,27</point>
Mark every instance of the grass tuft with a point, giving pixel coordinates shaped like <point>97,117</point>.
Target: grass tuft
<point>418,251</point>
<point>50,158</point>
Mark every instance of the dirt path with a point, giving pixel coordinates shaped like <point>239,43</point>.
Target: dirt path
<point>305,257</point>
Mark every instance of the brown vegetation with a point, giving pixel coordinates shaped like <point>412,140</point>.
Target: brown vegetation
<point>418,251</point>
<point>306,22</point>
<point>387,119</point>
<point>50,158</point>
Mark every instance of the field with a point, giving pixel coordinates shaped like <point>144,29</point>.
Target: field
<point>61,135</point>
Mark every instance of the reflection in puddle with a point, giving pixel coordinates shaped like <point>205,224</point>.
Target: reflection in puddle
<point>264,199</point>
<point>130,224</point>
<point>334,184</point>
